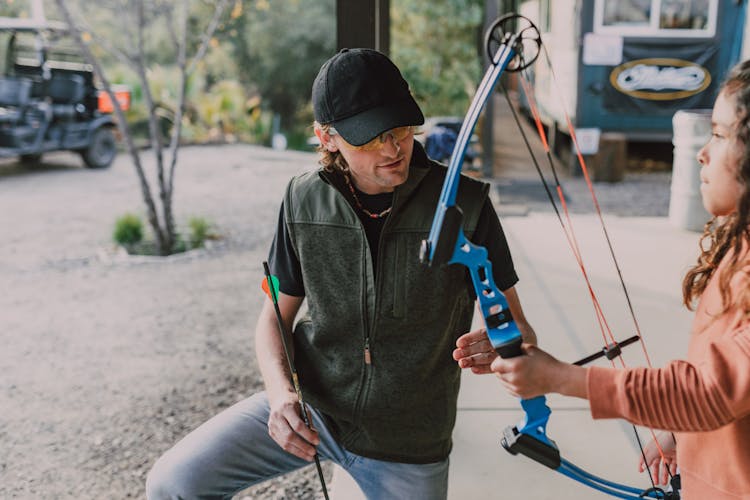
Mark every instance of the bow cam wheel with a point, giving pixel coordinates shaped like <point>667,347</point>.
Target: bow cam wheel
<point>526,44</point>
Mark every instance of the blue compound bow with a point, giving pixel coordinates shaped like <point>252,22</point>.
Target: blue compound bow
<point>513,43</point>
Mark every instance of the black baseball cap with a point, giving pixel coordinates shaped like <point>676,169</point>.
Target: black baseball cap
<point>362,94</point>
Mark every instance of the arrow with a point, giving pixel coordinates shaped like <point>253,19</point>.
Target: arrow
<point>270,286</point>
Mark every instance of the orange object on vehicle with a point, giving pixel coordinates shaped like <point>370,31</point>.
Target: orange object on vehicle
<point>122,94</point>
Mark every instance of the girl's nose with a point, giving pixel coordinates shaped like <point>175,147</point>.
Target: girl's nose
<point>701,156</point>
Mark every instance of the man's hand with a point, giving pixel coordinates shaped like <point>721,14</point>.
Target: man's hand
<point>473,350</point>
<point>654,460</point>
<point>286,427</point>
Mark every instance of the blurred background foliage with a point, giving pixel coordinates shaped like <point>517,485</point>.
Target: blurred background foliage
<point>437,46</point>
<point>255,80</point>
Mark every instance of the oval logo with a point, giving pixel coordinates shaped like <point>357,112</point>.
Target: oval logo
<point>660,79</point>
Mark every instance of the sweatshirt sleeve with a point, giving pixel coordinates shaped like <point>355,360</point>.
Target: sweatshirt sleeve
<point>682,396</point>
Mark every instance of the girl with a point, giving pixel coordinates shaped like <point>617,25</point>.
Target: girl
<point>704,400</point>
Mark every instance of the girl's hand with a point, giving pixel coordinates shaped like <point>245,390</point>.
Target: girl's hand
<point>537,373</point>
<point>526,376</point>
<point>660,469</point>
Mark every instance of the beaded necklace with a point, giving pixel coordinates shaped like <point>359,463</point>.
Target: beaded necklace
<point>359,204</point>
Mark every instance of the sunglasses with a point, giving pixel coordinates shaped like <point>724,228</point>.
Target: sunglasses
<point>397,134</point>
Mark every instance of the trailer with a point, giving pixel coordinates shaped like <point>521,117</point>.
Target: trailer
<point>623,68</point>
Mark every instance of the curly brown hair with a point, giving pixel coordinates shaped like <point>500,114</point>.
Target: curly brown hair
<point>722,234</point>
<point>331,161</point>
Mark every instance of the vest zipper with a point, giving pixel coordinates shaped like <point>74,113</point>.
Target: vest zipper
<point>368,356</point>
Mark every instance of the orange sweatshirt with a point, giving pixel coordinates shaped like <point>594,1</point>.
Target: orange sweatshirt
<point>704,400</point>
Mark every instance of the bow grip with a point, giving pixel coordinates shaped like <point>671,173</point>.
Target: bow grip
<point>510,349</point>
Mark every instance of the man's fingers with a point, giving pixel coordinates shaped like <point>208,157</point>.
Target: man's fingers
<point>471,338</point>
<point>479,348</point>
<point>301,449</point>
<point>309,435</point>
<point>293,442</point>
<point>465,360</point>
<point>289,430</point>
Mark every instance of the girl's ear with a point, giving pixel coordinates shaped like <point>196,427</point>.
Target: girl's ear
<point>326,140</point>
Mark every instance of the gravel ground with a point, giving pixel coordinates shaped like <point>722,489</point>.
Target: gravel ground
<point>108,360</point>
<point>639,195</point>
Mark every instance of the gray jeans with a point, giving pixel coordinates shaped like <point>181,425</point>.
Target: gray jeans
<point>233,451</point>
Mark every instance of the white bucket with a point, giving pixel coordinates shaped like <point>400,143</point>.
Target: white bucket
<point>692,129</point>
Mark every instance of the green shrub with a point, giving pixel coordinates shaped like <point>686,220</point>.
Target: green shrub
<point>199,231</point>
<point>128,230</point>
<point>179,245</point>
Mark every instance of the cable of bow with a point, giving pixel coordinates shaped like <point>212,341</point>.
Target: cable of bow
<point>612,347</point>
<point>447,244</point>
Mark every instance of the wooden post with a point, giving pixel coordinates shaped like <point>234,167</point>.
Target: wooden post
<point>610,162</point>
<point>488,129</point>
<point>363,23</point>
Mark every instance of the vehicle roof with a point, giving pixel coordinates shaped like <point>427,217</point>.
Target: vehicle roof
<point>30,24</point>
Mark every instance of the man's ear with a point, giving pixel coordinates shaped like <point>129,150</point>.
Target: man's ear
<point>326,140</point>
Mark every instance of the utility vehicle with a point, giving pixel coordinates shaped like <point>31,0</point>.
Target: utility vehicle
<point>48,97</point>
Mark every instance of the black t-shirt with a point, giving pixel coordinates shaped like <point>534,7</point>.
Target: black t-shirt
<point>489,233</point>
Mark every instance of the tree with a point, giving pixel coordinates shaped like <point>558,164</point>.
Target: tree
<point>189,36</point>
<point>280,46</point>
<point>435,44</point>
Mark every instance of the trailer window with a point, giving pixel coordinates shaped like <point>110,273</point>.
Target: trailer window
<point>627,13</point>
<point>683,18</point>
<point>683,14</point>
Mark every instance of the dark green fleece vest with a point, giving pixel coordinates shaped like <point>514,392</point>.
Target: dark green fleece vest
<point>401,405</point>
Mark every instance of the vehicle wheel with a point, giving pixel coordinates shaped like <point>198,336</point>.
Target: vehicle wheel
<point>102,150</point>
<point>30,159</point>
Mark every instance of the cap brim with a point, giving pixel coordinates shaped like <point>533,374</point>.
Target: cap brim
<point>366,126</point>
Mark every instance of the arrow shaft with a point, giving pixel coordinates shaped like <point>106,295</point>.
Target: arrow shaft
<point>273,294</point>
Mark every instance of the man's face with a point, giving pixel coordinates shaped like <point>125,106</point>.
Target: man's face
<point>379,166</point>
